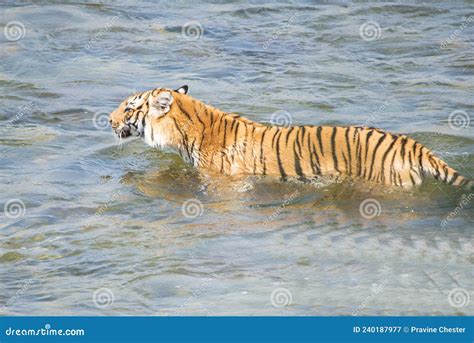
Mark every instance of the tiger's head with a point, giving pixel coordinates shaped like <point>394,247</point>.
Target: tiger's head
<point>132,115</point>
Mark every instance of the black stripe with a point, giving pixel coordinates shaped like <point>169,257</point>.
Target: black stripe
<point>280,165</point>
<point>288,133</point>
<point>349,150</point>
<point>318,165</point>
<point>369,134</point>
<point>318,135</point>
<point>420,160</point>
<point>411,178</point>
<point>236,132</point>
<point>358,153</point>
<point>274,137</point>
<point>297,141</point>
<point>390,147</point>
<point>184,111</point>
<point>298,169</point>
<point>333,148</point>
<point>402,150</point>
<point>246,140</point>
<point>316,171</point>
<point>454,178</point>
<point>379,142</point>
<point>261,145</point>
<point>183,136</point>
<point>225,133</point>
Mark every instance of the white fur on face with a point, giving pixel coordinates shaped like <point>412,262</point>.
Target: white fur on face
<point>160,105</point>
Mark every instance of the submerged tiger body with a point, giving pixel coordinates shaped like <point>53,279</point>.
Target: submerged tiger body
<point>233,145</point>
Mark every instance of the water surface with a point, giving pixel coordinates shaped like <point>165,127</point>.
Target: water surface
<point>103,230</point>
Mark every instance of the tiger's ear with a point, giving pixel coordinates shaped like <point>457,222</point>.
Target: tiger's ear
<point>161,104</point>
<point>182,89</point>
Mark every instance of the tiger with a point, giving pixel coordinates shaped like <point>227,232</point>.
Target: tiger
<point>230,144</point>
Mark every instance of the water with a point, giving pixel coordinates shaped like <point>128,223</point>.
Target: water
<point>103,230</point>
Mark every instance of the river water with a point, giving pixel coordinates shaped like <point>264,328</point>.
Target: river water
<point>94,228</point>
